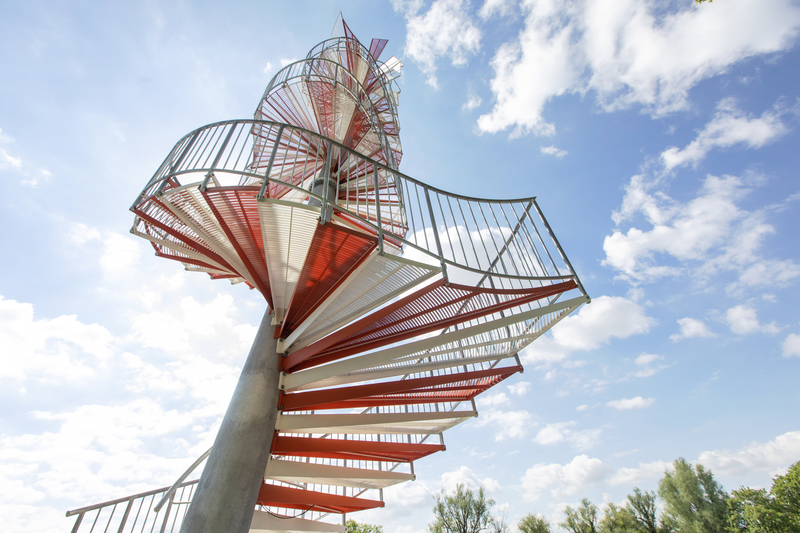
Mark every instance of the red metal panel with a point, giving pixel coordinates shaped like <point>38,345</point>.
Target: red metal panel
<point>292,498</point>
<point>474,382</point>
<point>177,230</point>
<point>335,252</point>
<point>429,309</point>
<point>376,47</point>
<point>236,209</point>
<point>352,449</point>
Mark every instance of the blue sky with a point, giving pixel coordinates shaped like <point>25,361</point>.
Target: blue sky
<point>659,137</point>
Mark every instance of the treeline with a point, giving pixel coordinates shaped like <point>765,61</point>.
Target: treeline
<point>691,499</point>
<point>693,502</point>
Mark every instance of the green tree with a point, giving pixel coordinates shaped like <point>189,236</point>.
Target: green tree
<point>642,505</point>
<point>532,523</point>
<point>750,511</point>
<point>580,520</point>
<point>759,511</point>
<point>693,501</point>
<point>463,511</point>
<point>351,526</point>
<point>786,498</point>
<point>618,520</point>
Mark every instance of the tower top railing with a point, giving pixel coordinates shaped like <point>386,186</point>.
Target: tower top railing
<point>320,69</point>
<point>471,239</point>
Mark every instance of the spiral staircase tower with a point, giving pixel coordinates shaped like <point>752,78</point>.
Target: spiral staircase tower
<point>390,304</point>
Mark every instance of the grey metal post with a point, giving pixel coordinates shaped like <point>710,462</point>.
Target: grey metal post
<point>228,489</point>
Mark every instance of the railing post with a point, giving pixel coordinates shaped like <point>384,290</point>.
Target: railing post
<point>166,517</point>
<point>326,178</point>
<point>210,172</point>
<point>436,234</point>
<point>560,250</point>
<point>378,207</point>
<point>271,161</point>
<point>78,523</point>
<point>125,516</point>
<point>177,163</point>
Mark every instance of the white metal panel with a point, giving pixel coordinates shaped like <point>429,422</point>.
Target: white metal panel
<point>385,277</point>
<point>368,423</point>
<point>264,522</point>
<point>188,204</point>
<point>302,472</point>
<point>382,357</point>
<point>287,232</point>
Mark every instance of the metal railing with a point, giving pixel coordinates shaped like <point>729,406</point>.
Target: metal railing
<point>475,240</point>
<point>136,513</point>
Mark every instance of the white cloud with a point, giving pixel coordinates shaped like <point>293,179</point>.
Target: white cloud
<point>531,69</point>
<point>607,317</point>
<point>636,402</point>
<point>728,127</point>
<point>7,160</point>
<point>97,451</point>
<point>495,412</point>
<point>120,256</point>
<point>472,102</point>
<point>267,68</point>
<point>496,7</point>
<point>505,424</point>
<point>647,358</point>
<point>31,177</point>
<point>791,345</point>
<point>703,236</point>
<point>552,150</point>
<point>552,433</point>
<point>630,476</point>
<point>561,432</point>
<point>49,348</point>
<point>773,456</point>
<point>628,52</point>
<point>576,476</point>
<point>582,407</point>
<point>563,480</point>
<point>691,327</point>
<point>466,476</point>
<point>743,321</point>
<point>80,233</point>
<point>445,30</point>
<point>520,389</point>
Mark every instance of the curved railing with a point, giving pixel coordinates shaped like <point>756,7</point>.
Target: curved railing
<point>332,73</point>
<point>339,43</point>
<point>507,240</point>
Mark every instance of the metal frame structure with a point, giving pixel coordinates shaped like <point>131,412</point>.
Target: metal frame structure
<point>394,303</point>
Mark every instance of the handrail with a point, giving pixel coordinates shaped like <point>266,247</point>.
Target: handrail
<point>341,146</point>
<point>372,194</point>
<point>285,76</point>
<point>125,499</point>
<point>177,483</point>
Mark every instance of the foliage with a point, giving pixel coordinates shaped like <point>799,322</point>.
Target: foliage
<point>618,520</point>
<point>642,505</point>
<point>580,520</point>
<point>693,501</point>
<point>749,510</point>
<point>461,512</point>
<point>757,511</point>
<point>786,493</point>
<point>532,523</point>
<point>498,524</point>
<point>358,527</point>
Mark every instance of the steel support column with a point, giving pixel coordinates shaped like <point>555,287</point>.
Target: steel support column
<point>228,489</point>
